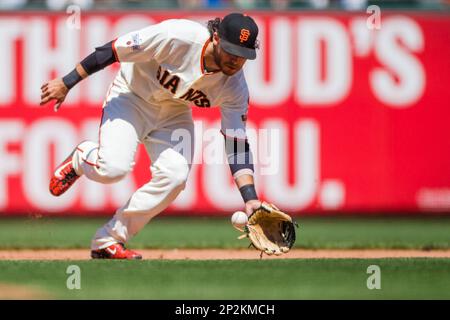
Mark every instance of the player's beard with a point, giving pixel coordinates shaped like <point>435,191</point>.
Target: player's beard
<point>220,63</point>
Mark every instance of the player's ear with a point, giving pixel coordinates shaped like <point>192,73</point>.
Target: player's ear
<point>216,38</point>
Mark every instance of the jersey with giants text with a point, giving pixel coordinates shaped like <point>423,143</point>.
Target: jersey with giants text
<point>163,64</point>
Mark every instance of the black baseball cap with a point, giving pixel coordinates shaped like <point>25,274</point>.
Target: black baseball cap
<point>237,33</point>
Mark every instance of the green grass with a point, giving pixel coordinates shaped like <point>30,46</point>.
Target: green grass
<point>168,232</point>
<point>235,279</point>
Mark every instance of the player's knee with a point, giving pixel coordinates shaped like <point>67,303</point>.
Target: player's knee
<point>176,169</point>
<point>113,171</point>
<point>179,173</point>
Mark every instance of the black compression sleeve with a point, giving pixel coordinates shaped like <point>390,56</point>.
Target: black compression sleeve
<point>102,57</point>
<point>238,154</point>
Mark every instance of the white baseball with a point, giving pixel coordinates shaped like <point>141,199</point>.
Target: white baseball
<point>239,219</point>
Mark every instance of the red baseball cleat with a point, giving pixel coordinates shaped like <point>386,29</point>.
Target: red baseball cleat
<point>63,177</point>
<point>115,251</point>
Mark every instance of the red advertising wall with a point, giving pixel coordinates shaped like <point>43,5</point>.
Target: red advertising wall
<point>356,118</point>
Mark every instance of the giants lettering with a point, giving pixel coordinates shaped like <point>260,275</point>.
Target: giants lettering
<point>198,97</point>
<point>172,83</point>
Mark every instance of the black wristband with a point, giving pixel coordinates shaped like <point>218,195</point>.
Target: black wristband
<point>71,79</point>
<point>248,192</point>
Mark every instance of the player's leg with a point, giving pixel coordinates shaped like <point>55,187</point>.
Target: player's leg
<point>170,168</point>
<point>112,157</point>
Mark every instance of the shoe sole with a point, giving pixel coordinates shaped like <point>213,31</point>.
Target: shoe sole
<point>54,176</point>
<point>102,255</point>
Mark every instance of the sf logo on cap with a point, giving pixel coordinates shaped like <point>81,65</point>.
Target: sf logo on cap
<point>244,35</point>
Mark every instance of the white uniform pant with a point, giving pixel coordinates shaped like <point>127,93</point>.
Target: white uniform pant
<point>127,121</point>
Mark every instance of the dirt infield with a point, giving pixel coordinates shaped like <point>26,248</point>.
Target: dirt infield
<point>225,254</point>
<point>21,292</point>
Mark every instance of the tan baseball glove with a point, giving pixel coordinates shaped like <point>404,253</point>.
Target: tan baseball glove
<point>270,230</point>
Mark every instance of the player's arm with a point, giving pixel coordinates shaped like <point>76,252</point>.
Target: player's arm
<point>245,182</point>
<point>137,46</point>
<point>57,89</point>
<point>240,158</point>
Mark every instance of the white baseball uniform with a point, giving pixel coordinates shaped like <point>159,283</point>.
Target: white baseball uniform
<point>160,76</point>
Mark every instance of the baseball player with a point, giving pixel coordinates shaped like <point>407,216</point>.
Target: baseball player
<point>164,69</point>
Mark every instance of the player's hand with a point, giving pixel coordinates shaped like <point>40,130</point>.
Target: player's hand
<point>54,90</point>
<point>251,206</point>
